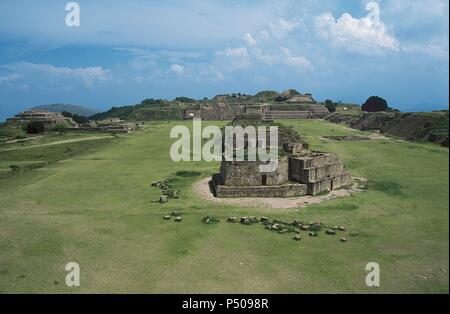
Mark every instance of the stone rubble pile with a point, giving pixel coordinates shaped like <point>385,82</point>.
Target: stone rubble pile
<point>296,226</point>
<point>166,189</point>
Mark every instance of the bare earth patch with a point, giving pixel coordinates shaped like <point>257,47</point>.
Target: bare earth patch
<point>203,190</point>
<point>370,136</point>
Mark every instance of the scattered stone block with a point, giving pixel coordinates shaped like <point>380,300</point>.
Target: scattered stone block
<point>312,234</point>
<point>167,217</point>
<point>297,230</point>
<point>245,220</point>
<point>354,233</point>
<point>343,239</point>
<point>276,227</point>
<point>176,213</point>
<point>178,219</point>
<point>315,227</point>
<point>264,219</point>
<point>172,193</point>
<point>211,220</point>
<point>232,219</point>
<point>341,229</point>
<point>163,199</point>
<point>304,227</point>
<point>330,232</point>
<point>297,237</point>
<point>283,231</point>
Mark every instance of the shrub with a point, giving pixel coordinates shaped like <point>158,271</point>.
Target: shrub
<point>60,128</point>
<point>184,173</point>
<point>14,168</point>
<point>35,127</point>
<point>331,106</point>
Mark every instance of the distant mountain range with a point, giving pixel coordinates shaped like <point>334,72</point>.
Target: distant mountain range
<point>78,110</point>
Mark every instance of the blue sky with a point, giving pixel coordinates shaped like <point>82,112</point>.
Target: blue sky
<point>126,51</point>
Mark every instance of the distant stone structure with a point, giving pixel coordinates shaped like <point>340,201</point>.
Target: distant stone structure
<point>289,105</point>
<point>300,172</point>
<point>49,119</point>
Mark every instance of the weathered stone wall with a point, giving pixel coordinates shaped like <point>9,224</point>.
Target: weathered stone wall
<point>318,187</point>
<point>314,174</point>
<point>319,171</point>
<point>317,159</point>
<point>224,111</point>
<point>247,173</point>
<point>285,190</point>
<point>342,180</point>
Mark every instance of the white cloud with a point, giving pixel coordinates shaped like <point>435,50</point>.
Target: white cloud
<point>234,52</point>
<point>40,73</point>
<point>418,8</point>
<point>8,78</point>
<point>177,69</point>
<point>430,49</point>
<point>248,38</point>
<point>264,35</point>
<point>363,35</point>
<point>282,27</point>
<point>299,62</point>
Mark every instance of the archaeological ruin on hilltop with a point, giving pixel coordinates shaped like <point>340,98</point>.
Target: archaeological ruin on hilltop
<point>300,171</point>
<point>289,105</point>
<point>49,119</point>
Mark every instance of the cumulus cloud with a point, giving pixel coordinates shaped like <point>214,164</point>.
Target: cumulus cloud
<point>296,61</point>
<point>431,49</point>
<point>282,27</point>
<point>367,34</point>
<point>7,78</point>
<point>177,69</point>
<point>41,73</point>
<point>249,40</point>
<point>234,52</point>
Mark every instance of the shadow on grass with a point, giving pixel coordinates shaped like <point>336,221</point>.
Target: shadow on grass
<point>388,187</point>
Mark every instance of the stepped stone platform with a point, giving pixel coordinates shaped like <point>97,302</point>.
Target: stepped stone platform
<point>49,119</point>
<point>300,172</point>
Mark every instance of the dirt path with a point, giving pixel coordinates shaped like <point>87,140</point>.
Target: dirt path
<point>92,138</point>
<point>202,189</point>
<point>371,134</point>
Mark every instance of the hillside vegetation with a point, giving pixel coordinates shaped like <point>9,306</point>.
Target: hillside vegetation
<point>424,126</point>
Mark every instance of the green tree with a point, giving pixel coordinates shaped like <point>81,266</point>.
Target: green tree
<point>67,114</point>
<point>375,104</point>
<point>330,105</point>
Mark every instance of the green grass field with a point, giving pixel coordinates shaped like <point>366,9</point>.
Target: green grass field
<point>94,206</point>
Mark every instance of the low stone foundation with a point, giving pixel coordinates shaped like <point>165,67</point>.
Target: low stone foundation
<point>284,190</point>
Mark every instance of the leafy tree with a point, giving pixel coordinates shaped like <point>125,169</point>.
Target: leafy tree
<point>375,104</point>
<point>80,119</point>
<point>331,106</point>
<point>35,127</point>
<point>185,99</point>
<point>281,98</point>
<point>67,114</point>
